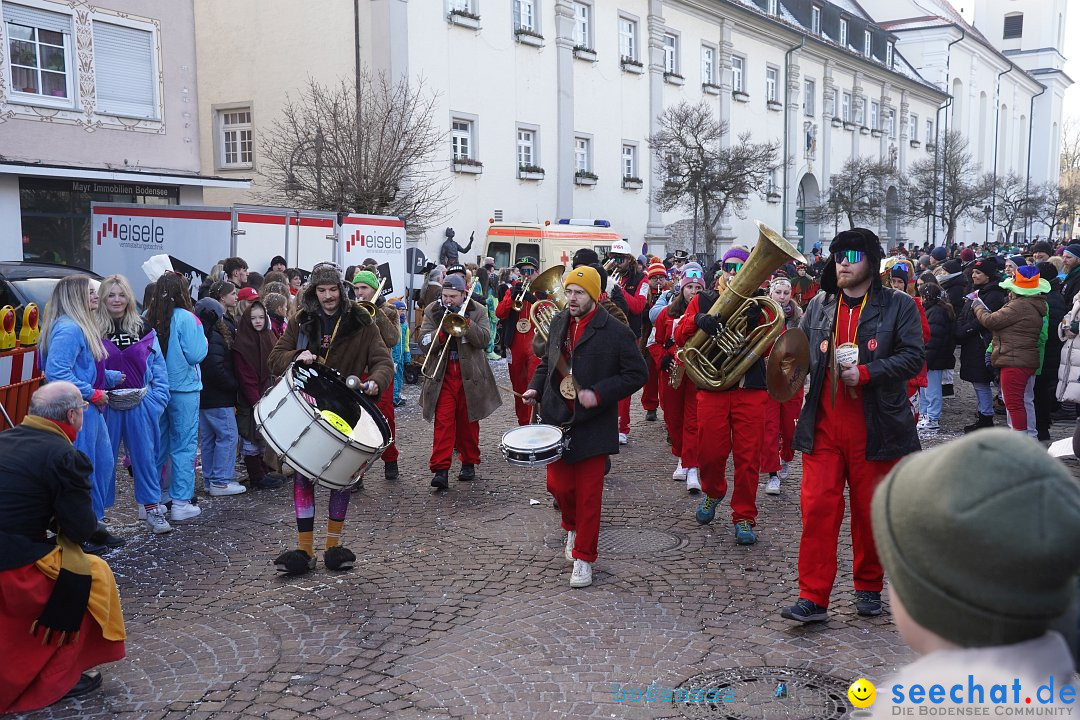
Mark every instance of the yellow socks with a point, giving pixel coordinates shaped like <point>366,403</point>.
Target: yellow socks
<point>333,533</point>
<point>307,542</point>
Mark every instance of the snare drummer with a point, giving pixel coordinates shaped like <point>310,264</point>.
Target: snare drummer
<point>591,362</point>
<point>341,334</point>
<point>365,284</point>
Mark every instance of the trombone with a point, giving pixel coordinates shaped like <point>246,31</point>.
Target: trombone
<point>519,300</point>
<point>454,325</point>
<point>369,306</point>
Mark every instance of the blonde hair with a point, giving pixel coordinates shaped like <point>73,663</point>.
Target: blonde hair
<point>70,298</point>
<point>130,322</point>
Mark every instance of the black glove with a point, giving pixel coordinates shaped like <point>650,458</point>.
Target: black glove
<point>540,295</point>
<point>753,316</point>
<point>615,291</point>
<point>668,342</point>
<point>707,323</point>
<point>529,297</point>
<point>666,362</point>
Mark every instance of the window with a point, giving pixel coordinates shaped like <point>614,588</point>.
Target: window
<point>913,128</point>
<point>582,154</point>
<point>815,20</point>
<point>461,139</point>
<point>525,15</point>
<point>772,89</point>
<point>774,7</point>
<point>124,70</point>
<point>1014,26</point>
<point>866,37</point>
<point>929,131</point>
<point>526,147</point>
<point>843,33</point>
<point>629,161</point>
<point>737,64</point>
<point>875,113</point>
<point>808,97</point>
<point>235,139</point>
<point>671,53</point>
<point>845,107</point>
<point>582,25</point>
<point>39,43</point>
<point>708,65</point>
<point>462,5</point>
<point>627,38</point>
<point>889,54</point>
<point>890,123</point>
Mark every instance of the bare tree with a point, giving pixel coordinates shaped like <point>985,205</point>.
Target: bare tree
<point>367,147</point>
<point>949,184</point>
<point>856,194</point>
<point>698,173</point>
<point>1013,205</point>
<point>1070,147</point>
<point>1055,205</point>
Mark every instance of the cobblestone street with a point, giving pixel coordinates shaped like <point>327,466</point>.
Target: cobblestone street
<point>460,605</point>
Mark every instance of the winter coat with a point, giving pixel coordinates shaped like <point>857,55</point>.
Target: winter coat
<point>389,327</point>
<point>941,349</point>
<point>956,286</point>
<point>481,395</point>
<point>1057,306</point>
<point>218,373</point>
<point>187,347</point>
<point>1016,329</point>
<point>608,362</point>
<point>973,338</point>
<point>1068,387</point>
<point>1070,286</point>
<point>889,321</point>
<point>143,366</point>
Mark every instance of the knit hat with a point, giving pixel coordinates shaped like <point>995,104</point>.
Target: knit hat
<point>248,294</point>
<point>1043,246</point>
<point>1026,281</point>
<point>1073,249</point>
<point>325,274</point>
<point>1018,260</point>
<point>967,255</point>
<point>940,514</point>
<point>643,260</point>
<point>899,270</point>
<point>454,282</point>
<point>692,273</point>
<point>736,253</point>
<point>586,278</point>
<point>588,256</point>
<point>988,266</point>
<point>952,266</point>
<point>655,269</point>
<point>399,304</point>
<point>367,277</point>
<point>939,254</point>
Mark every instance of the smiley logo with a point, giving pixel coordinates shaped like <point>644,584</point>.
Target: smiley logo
<point>862,693</point>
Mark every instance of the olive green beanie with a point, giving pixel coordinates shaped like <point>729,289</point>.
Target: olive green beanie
<point>980,537</point>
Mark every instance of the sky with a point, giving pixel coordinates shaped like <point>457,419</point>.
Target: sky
<point>1072,62</point>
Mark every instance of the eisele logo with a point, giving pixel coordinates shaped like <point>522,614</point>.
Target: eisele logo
<point>131,231</point>
<point>373,241</point>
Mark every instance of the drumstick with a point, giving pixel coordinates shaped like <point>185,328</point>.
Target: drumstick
<point>509,390</point>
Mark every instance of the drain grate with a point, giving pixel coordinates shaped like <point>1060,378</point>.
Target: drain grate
<point>637,541</point>
<point>751,694</point>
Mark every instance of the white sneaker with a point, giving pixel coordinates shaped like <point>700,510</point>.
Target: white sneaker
<point>156,520</point>
<point>783,474</point>
<point>929,425</point>
<point>922,423</point>
<point>571,536</point>
<point>218,489</point>
<point>184,510</point>
<point>582,575</point>
<point>773,486</point>
<point>693,481</point>
<point>680,472</point>
<point>623,438</point>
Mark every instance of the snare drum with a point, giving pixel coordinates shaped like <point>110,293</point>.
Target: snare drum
<point>325,431</point>
<point>532,445</point>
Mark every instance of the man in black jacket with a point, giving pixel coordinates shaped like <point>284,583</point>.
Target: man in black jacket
<point>865,344</point>
<point>591,362</point>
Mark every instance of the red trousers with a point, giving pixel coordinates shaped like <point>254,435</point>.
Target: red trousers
<point>839,459</point>
<point>1013,386</point>
<point>650,396</point>
<point>523,363</point>
<point>624,414</point>
<point>681,418</point>
<point>779,432</point>
<point>578,488</point>
<point>386,407</point>
<point>452,426</point>
<point>731,422</point>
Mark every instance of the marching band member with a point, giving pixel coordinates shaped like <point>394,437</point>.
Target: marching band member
<point>591,362</point>
<point>780,417</point>
<point>329,328</point>
<point>635,293</point>
<point>656,274</point>
<point>720,413</point>
<point>518,334</point>
<point>461,390</point>
<point>680,404</point>
<point>364,286</point>
<point>854,436</point>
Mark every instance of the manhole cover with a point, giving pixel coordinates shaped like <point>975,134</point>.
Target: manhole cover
<point>752,694</point>
<point>636,541</point>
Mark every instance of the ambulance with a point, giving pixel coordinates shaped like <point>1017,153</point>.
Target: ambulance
<point>550,243</point>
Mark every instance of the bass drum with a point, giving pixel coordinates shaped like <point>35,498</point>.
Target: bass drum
<point>325,431</point>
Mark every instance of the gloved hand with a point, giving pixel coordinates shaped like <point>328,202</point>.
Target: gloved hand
<point>529,297</point>
<point>541,295</point>
<point>668,342</point>
<point>666,362</point>
<point>615,290</point>
<point>709,324</point>
<point>753,316</point>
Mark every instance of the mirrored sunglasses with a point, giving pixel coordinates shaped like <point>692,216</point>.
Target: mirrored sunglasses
<point>732,266</point>
<point>692,273</point>
<point>852,256</point>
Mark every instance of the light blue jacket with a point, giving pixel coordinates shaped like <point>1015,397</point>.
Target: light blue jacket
<point>69,358</point>
<point>187,348</point>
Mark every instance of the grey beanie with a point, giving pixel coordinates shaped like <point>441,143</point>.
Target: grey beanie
<point>980,537</point>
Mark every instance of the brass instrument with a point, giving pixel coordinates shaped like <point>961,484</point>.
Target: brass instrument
<point>519,301</point>
<point>542,311</point>
<point>368,306</point>
<point>454,325</point>
<point>717,363</point>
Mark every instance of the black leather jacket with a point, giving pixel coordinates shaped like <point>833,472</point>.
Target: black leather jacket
<point>891,320</point>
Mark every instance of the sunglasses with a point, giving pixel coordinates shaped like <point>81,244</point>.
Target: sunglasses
<point>852,256</point>
<point>528,271</point>
<point>732,266</point>
<point>694,274</point>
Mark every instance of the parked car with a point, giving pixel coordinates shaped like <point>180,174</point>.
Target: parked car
<point>23,282</point>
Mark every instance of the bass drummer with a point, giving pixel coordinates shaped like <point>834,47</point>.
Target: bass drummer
<point>331,329</point>
<point>590,363</point>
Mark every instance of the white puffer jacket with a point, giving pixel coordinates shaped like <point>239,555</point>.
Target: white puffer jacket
<point>1068,387</point>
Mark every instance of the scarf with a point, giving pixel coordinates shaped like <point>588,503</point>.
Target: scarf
<point>255,346</point>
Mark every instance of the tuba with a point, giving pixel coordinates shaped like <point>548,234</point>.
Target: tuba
<point>717,363</point>
<point>542,311</point>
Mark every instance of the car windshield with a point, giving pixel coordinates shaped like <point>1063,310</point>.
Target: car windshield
<point>38,290</point>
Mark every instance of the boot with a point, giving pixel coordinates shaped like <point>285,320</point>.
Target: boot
<point>258,477</point>
<point>981,421</point>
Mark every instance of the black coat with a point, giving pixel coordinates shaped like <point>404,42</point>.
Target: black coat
<point>606,361</point>
<point>218,375</point>
<point>1055,302</point>
<point>973,338</point>
<point>941,348</point>
<point>1070,286</point>
<point>44,483</point>
<point>956,286</point>
<point>891,320</point>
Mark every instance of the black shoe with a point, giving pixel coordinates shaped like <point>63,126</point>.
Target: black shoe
<point>339,558</point>
<point>1043,436</point>
<point>93,548</point>
<point>947,390</point>
<point>981,421</point>
<point>867,603</point>
<point>650,415</point>
<point>390,470</point>
<point>441,480</point>
<point>468,472</point>
<point>294,562</point>
<point>805,611</point>
<point>102,536</point>
<point>89,681</point>
<point>269,481</point>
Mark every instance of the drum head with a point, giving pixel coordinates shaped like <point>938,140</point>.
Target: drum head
<point>532,436</point>
<point>347,411</point>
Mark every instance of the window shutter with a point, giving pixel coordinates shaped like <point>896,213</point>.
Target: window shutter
<point>32,17</point>
<point>1014,26</point>
<point>124,69</point>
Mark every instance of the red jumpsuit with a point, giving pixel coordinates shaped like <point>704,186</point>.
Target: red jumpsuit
<point>637,296</point>
<point>680,404</point>
<point>523,360</point>
<point>779,431</point>
<point>452,426</point>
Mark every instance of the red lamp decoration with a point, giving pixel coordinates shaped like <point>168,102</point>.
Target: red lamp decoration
<point>28,335</point>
